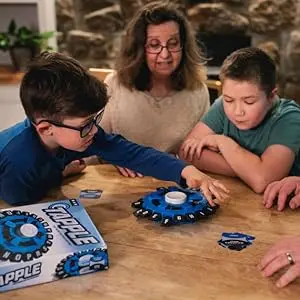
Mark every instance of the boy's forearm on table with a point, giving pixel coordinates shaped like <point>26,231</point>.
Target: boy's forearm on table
<point>247,165</point>
<point>213,162</point>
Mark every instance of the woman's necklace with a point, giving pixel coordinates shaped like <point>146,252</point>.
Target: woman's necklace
<point>157,97</point>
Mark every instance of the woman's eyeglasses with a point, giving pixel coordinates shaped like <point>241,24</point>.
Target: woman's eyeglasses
<point>84,130</point>
<point>156,48</point>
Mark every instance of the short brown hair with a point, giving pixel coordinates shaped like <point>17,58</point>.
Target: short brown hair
<point>250,64</point>
<point>56,86</point>
<point>131,67</point>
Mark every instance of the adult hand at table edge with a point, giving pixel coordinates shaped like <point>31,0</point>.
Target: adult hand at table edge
<point>208,186</point>
<point>285,253</point>
<point>283,191</point>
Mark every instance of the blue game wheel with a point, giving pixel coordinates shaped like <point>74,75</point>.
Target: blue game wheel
<point>23,236</point>
<point>84,262</point>
<point>173,205</point>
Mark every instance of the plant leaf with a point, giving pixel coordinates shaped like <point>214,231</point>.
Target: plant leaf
<point>23,37</point>
<point>46,35</point>
<point>4,41</point>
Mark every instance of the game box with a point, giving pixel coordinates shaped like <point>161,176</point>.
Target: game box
<point>48,241</point>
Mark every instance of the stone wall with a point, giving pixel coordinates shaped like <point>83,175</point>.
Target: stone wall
<point>91,30</point>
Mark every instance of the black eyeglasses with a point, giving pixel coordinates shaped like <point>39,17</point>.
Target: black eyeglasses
<point>84,130</point>
<point>171,46</point>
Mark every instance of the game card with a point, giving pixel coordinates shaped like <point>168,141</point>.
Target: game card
<point>90,194</point>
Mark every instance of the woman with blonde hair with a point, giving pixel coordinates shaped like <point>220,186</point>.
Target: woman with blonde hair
<point>158,92</point>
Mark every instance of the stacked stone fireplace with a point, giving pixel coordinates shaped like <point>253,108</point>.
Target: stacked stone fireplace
<point>91,31</point>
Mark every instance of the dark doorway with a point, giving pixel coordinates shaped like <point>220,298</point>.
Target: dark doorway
<point>218,46</point>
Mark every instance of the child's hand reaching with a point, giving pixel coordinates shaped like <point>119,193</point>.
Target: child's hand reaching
<point>209,187</point>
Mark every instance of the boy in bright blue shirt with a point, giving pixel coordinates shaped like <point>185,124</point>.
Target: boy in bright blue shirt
<point>64,105</point>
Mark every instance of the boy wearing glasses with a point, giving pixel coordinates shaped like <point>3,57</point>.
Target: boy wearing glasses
<point>64,105</point>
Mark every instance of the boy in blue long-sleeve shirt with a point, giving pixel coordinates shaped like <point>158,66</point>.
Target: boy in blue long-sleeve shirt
<point>64,104</point>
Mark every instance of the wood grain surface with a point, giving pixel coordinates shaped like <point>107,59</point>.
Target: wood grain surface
<point>148,261</point>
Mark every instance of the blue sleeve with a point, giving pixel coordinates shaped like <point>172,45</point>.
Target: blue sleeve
<point>215,117</point>
<point>150,162</point>
<point>22,187</point>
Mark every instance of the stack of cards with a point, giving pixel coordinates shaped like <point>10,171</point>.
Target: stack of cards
<point>235,240</point>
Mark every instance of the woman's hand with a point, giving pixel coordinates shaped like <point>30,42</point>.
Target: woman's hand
<point>209,187</point>
<point>285,253</point>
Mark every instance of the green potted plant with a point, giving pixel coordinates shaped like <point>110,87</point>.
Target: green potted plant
<point>23,43</point>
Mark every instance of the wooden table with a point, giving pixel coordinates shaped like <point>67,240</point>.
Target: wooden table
<point>183,262</point>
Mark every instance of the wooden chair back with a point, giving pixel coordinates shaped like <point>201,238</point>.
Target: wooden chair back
<point>100,73</point>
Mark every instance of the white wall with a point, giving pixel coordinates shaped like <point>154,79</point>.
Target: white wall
<point>11,110</point>
<point>39,14</point>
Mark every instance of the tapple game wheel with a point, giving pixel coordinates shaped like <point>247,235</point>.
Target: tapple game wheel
<point>173,205</point>
<point>82,263</point>
<point>23,236</point>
